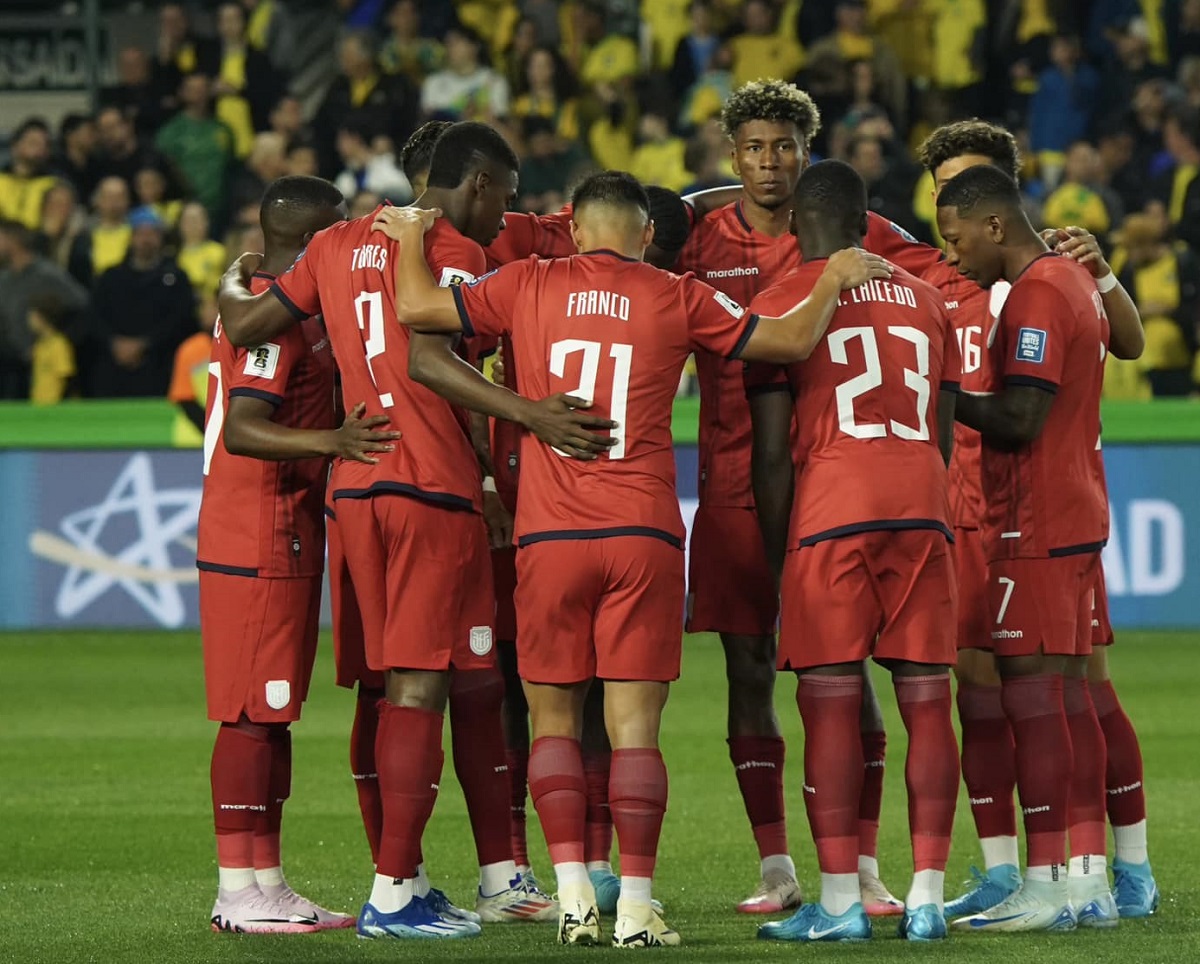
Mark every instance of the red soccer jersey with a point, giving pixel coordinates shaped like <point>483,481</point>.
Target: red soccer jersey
<point>349,274</point>
<point>260,518</point>
<point>866,407</point>
<point>546,235</point>
<point>1047,498</point>
<point>618,332</point>
<point>724,250</point>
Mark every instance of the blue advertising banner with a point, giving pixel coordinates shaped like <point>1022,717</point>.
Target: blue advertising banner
<point>108,539</point>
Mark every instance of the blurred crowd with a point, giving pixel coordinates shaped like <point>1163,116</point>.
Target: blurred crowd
<point>116,225</point>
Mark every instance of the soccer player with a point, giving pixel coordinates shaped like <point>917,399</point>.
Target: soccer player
<point>600,567</point>
<point>866,568</point>
<point>270,432</point>
<point>1045,519</point>
<point>741,249</point>
<point>411,528</point>
<point>989,767</point>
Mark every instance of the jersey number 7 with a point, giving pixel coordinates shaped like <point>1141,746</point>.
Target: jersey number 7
<point>916,381</point>
<point>622,356</point>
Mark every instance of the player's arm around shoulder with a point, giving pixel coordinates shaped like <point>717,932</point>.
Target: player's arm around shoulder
<point>249,319</point>
<point>1127,337</point>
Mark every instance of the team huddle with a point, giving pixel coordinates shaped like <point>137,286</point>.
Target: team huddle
<point>899,460</point>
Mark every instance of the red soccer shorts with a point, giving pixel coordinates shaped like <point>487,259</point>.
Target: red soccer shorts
<point>610,608</point>
<point>970,565</point>
<point>887,594</point>
<point>504,579</point>
<point>349,640</point>
<point>1102,631</point>
<point>260,640</point>
<point>1042,605</point>
<point>730,586</point>
<point>423,582</point>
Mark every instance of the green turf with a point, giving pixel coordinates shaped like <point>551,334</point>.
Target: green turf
<point>106,855</point>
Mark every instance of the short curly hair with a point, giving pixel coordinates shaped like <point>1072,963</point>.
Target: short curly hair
<point>972,136</point>
<point>771,100</point>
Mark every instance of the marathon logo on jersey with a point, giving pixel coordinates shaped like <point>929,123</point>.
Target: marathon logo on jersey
<point>279,693</point>
<point>455,276</point>
<point>481,640</point>
<point>1031,345</point>
<point>263,360</point>
<point>729,304</point>
<point>732,272</point>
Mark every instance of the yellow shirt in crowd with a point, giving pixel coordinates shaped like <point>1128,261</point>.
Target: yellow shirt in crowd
<point>52,369</point>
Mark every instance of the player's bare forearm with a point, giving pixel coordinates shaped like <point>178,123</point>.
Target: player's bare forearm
<point>947,402</point>
<point>250,431</point>
<point>704,202</point>
<point>1007,419</point>
<point>1127,337</point>
<point>772,472</point>
<point>420,303</point>
<point>248,319</point>
<point>481,441</point>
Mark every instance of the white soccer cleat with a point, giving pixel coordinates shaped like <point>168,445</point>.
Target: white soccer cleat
<point>250,911</point>
<point>639,926</point>
<point>1035,906</point>
<point>777,892</point>
<point>522,901</point>
<point>288,899</point>
<point>877,900</point>
<point>1092,901</point>
<point>578,916</point>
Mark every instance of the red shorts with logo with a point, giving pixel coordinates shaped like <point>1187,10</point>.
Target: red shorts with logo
<point>423,581</point>
<point>1042,605</point>
<point>730,586</point>
<point>349,641</point>
<point>611,608</point>
<point>504,579</point>
<point>970,565</point>
<point>887,594</point>
<point>1102,631</point>
<point>260,640</point>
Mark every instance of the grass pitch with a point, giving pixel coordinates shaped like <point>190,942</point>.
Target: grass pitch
<point>106,851</point>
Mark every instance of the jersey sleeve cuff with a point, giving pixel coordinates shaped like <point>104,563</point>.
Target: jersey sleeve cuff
<point>463,316</point>
<point>1029,381</point>
<point>269,397</point>
<point>751,324</point>
<point>298,313</point>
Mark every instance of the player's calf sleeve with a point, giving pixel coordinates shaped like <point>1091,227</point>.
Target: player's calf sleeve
<point>241,777</point>
<point>559,792</point>
<point>1085,814</point>
<point>833,766</point>
<point>408,755</point>
<point>480,760</point>
<point>1034,707</point>
<point>931,770</point>
<point>518,777</point>
<point>598,823</point>
<point>989,763</point>
<point>758,765</point>
<point>637,791</point>
<point>1123,772</point>
<point>362,766</point>
<point>266,830</point>
<point>870,802</point>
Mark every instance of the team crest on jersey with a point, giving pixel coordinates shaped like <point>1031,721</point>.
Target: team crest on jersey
<point>279,693</point>
<point>481,640</point>
<point>729,304</point>
<point>1031,345</point>
<point>263,360</point>
<point>455,276</point>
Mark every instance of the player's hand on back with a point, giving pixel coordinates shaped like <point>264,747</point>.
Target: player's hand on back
<point>358,436</point>
<point>396,222</point>
<point>498,367</point>
<point>556,421</point>
<point>499,521</point>
<point>855,266</point>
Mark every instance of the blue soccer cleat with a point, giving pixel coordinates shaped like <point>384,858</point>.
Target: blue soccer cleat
<point>1134,889</point>
<point>997,884</point>
<point>924,923</point>
<point>812,923</point>
<point>441,905</point>
<point>416,920</point>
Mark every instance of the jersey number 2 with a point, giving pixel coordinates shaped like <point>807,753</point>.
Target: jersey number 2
<point>916,381</point>
<point>371,322</point>
<point>622,356</point>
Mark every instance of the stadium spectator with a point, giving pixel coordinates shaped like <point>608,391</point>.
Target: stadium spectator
<point>548,166</point>
<point>959,33</point>
<point>202,259</point>
<point>105,243</point>
<point>1079,199</point>
<point>268,160</point>
<point>1060,113</point>
<point>1184,35</point>
<point>466,89</point>
<point>63,219</point>
<point>135,94</point>
<point>76,157</point>
<point>303,159</point>
<point>242,76</point>
<point>150,190</point>
<point>26,275</point>
<point>708,157</point>
<point>405,51</point>
<point>142,310</point>
<point>53,371</point>
<point>889,180</point>
<point>287,120</point>
<point>369,164</point>
<point>602,53</point>
<point>176,54</point>
<point>1179,188</point>
<point>1124,188</point>
<point>659,156</point>
<point>524,40</point>
<point>1130,70</point>
<point>547,89</point>
<point>199,144</point>
<point>24,183</point>
<point>122,153</point>
<point>696,50</point>
<point>766,46</point>
<point>852,43</point>
<point>702,101</point>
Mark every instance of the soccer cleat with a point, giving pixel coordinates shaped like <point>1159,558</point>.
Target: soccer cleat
<point>1134,889</point>
<point>416,920</point>
<point>578,916</point>
<point>527,875</point>
<point>778,891</point>
<point>924,923</point>
<point>441,904</point>
<point>607,886</point>
<point>1034,906</point>
<point>877,899</point>
<point>250,911</point>
<point>1092,902</point>
<point>638,925</point>
<point>288,899</point>
<point>812,923</point>
<point>990,888</point>
<point>520,902</point>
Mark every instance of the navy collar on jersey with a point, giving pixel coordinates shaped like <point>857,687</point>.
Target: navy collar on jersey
<point>1044,254</point>
<point>611,253</point>
<point>737,209</point>
<point>265,275</point>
